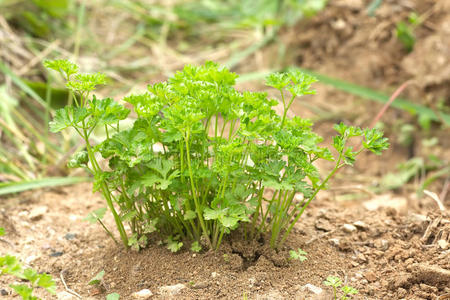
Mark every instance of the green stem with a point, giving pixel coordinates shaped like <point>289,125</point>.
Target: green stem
<point>276,219</point>
<point>107,231</point>
<point>105,190</point>
<point>194,192</point>
<point>258,206</point>
<point>262,226</point>
<point>220,238</point>
<point>319,188</point>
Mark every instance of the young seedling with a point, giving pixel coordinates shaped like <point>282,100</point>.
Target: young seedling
<point>336,283</point>
<point>97,280</point>
<point>298,255</point>
<point>405,31</point>
<point>113,296</point>
<point>11,265</point>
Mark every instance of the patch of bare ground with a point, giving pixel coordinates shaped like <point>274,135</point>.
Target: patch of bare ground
<point>382,253</point>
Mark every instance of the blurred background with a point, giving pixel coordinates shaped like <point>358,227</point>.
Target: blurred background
<point>362,51</point>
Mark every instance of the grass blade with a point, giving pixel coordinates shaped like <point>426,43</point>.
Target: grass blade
<point>16,187</point>
<point>19,82</point>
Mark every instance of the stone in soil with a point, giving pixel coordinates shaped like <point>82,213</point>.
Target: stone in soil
<point>171,290</point>
<point>70,236</point>
<point>312,288</point>
<point>361,225</point>
<point>443,244</point>
<point>37,213</point>
<point>381,245</point>
<point>324,225</point>
<point>200,285</point>
<point>370,276</point>
<point>349,228</point>
<point>142,294</point>
<point>56,253</point>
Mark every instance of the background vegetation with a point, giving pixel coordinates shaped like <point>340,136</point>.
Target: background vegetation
<point>137,42</point>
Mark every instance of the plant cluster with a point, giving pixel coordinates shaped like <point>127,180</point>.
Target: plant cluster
<point>202,158</point>
<point>10,265</point>
<point>336,283</point>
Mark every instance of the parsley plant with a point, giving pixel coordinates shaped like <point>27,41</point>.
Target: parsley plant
<point>202,158</point>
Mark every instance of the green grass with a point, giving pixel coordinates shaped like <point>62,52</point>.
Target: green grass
<point>25,185</point>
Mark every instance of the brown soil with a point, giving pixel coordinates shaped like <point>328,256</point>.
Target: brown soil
<point>396,250</point>
<point>389,255</point>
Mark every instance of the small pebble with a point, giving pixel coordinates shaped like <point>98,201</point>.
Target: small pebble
<point>349,228</point>
<point>142,294</point>
<point>4,292</point>
<point>355,263</point>
<point>361,225</point>
<point>214,274</point>
<point>312,288</point>
<point>334,242</point>
<point>252,281</point>
<point>70,236</point>
<point>323,224</point>
<point>381,244</point>
<point>418,219</point>
<point>443,244</point>
<point>171,290</point>
<point>37,213</point>
<point>200,285</point>
<point>370,276</point>
<point>361,258</point>
<point>56,254</point>
<point>345,245</point>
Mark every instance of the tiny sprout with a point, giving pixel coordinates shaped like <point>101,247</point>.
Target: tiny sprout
<point>97,279</point>
<point>335,282</point>
<point>298,255</point>
<point>113,296</point>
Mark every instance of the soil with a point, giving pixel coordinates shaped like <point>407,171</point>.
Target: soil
<point>381,252</point>
<point>394,245</point>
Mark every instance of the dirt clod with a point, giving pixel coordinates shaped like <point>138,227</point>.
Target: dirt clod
<point>370,276</point>
<point>431,274</point>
